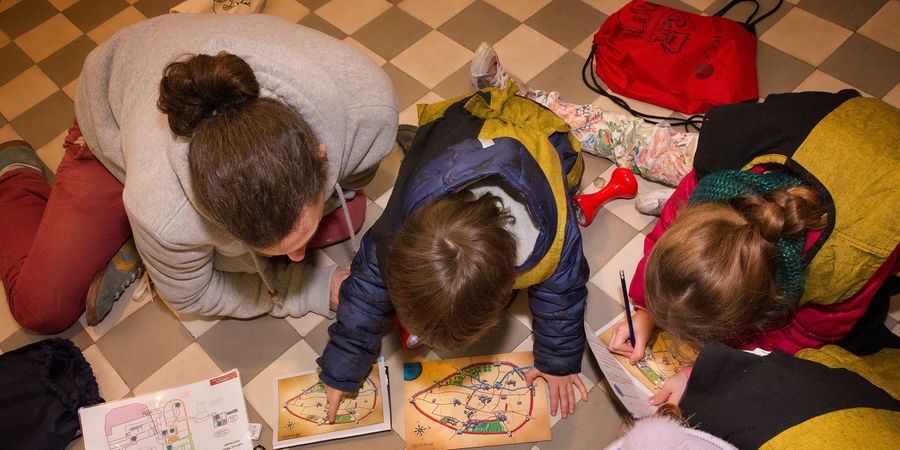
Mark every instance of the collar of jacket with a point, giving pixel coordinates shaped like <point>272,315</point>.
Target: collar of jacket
<point>472,160</point>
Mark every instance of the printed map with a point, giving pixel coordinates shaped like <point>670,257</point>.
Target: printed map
<point>302,409</point>
<point>474,402</point>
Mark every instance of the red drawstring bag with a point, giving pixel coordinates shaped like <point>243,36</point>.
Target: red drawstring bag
<point>678,60</point>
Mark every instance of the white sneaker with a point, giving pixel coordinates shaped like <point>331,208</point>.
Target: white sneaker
<point>486,70</point>
<point>652,203</point>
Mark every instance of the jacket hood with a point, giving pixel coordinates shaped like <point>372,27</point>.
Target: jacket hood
<point>473,160</point>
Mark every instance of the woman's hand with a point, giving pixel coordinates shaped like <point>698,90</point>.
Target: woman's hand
<point>673,389</point>
<point>337,278</point>
<point>561,391</point>
<point>620,341</point>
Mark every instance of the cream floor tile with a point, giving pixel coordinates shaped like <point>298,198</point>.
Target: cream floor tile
<point>288,10</point>
<point>305,324</point>
<point>7,133</point>
<point>434,13</point>
<point>410,115</point>
<point>701,4</point>
<point>359,46</point>
<point>121,309</point>
<point>70,88</point>
<point>52,152</point>
<point>525,53</point>
<point>260,392</point>
<point>4,39</point>
<point>128,16</point>
<point>896,329</point>
<point>607,278</point>
<point>196,324</point>
<point>584,48</point>
<point>624,207</point>
<point>8,325</point>
<point>383,200</point>
<point>821,81</point>
<point>112,387</point>
<point>519,9</point>
<point>637,105</point>
<point>351,15</point>
<point>892,97</point>
<point>882,27</point>
<point>432,58</point>
<point>63,4</point>
<point>526,346</point>
<point>48,37</point>
<point>189,366</point>
<point>607,6</point>
<point>806,36</point>
<point>24,91</point>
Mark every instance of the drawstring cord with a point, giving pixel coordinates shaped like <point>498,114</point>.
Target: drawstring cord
<point>347,217</point>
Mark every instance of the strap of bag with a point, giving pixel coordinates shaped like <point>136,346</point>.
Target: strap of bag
<point>695,120</point>
<point>749,24</point>
<point>594,84</point>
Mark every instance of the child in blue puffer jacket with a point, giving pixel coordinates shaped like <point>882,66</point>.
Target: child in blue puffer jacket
<point>481,207</point>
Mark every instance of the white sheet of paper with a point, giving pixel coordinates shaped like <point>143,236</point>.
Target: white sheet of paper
<point>209,414</point>
<point>631,392</point>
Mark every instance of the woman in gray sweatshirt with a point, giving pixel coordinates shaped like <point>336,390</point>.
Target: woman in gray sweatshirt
<point>231,136</point>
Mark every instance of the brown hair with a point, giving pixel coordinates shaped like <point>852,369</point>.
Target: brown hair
<point>450,270</point>
<point>254,162</point>
<point>711,276</point>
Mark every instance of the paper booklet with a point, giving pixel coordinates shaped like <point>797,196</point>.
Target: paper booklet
<point>635,384</point>
<point>301,409</point>
<point>209,415</point>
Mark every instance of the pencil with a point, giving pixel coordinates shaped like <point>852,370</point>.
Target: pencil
<point>627,307</point>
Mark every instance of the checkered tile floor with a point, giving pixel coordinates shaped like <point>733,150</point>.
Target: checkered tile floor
<point>425,47</point>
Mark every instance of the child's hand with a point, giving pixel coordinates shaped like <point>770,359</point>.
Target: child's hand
<point>561,391</point>
<point>673,389</point>
<point>337,278</point>
<point>620,342</point>
<point>333,397</point>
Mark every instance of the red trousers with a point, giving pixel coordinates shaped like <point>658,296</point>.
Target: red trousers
<point>54,240</point>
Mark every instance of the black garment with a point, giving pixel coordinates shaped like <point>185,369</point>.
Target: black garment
<point>870,335</point>
<point>748,400</point>
<point>42,385</point>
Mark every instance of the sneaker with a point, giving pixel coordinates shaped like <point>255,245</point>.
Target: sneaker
<point>405,135</point>
<point>111,281</point>
<point>18,155</point>
<point>652,203</point>
<point>486,70</point>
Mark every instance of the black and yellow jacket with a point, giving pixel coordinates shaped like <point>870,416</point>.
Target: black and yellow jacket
<point>823,398</point>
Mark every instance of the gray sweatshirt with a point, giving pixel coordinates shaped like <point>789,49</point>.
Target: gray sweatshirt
<point>197,266</point>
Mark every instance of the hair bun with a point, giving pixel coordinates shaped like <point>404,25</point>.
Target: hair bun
<point>195,89</point>
<point>783,212</point>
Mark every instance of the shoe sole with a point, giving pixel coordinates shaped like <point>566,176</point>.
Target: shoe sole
<point>90,304</point>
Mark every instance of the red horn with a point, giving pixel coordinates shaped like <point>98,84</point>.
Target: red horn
<point>622,184</point>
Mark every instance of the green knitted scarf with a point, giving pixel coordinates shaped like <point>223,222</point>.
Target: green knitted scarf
<point>722,186</point>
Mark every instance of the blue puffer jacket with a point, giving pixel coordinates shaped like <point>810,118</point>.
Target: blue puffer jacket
<point>447,155</point>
